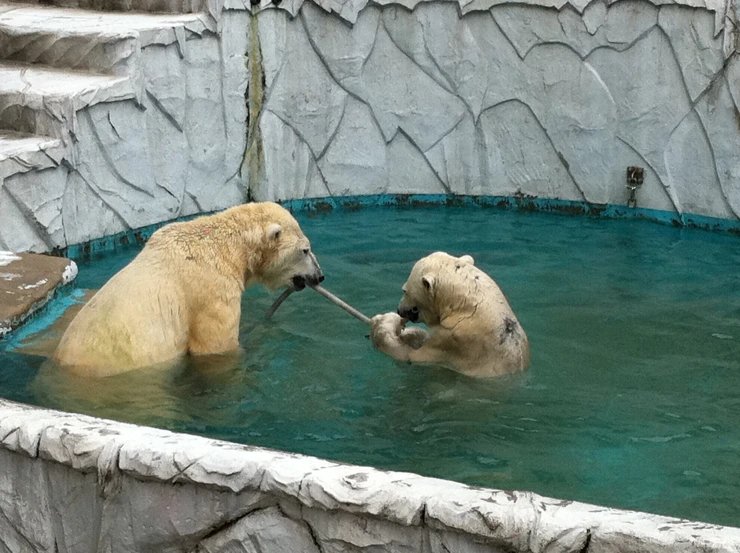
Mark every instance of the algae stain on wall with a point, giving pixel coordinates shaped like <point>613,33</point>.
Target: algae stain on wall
<point>254,157</point>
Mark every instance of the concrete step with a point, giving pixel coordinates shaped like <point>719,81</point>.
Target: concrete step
<point>21,153</point>
<point>29,151</point>
<point>86,40</point>
<point>147,6</point>
<point>44,101</point>
<point>27,283</point>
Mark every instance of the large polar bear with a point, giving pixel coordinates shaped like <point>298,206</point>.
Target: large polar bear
<point>182,293</point>
<point>474,330</point>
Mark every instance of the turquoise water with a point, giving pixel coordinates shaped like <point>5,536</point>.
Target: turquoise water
<point>632,399</point>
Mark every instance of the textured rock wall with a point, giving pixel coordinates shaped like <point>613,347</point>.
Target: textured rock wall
<point>172,148</point>
<point>73,483</point>
<point>552,100</point>
<point>541,98</point>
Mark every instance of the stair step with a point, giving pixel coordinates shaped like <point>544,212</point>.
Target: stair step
<point>148,6</point>
<point>41,100</point>
<point>88,40</point>
<point>30,150</point>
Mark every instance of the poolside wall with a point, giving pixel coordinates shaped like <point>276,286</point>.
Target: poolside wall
<point>543,98</point>
<point>77,484</point>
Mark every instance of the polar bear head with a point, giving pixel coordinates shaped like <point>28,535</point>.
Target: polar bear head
<point>282,256</point>
<point>430,278</point>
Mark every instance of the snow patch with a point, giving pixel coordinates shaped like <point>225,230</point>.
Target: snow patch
<point>6,258</point>
<point>29,286</point>
<point>70,273</point>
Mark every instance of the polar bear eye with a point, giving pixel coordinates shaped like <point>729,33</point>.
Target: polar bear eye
<point>305,251</point>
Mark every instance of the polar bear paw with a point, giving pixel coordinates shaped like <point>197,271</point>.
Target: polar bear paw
<point>389,334</point>
<point>386,329</point>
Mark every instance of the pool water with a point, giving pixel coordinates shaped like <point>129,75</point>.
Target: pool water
<point>632,399</point>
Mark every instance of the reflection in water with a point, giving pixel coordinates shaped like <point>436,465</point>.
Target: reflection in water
<point>194,388</point>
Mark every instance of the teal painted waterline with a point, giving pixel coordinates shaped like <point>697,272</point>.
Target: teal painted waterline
<point>65,297</point>
<point>137,237</point>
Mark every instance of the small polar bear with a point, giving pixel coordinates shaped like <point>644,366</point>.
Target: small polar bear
<point>473,328</point>
<point>182,293</point>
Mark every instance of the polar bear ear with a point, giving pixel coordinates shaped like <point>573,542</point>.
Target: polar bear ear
<point>274,231</point>
<point>428,282</point>
<point>468,259</point>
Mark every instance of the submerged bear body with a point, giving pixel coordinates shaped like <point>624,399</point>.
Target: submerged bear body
<point>182,292</point>
<point>473,328</point>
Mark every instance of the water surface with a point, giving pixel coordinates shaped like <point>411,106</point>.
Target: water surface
<point>632,399</point>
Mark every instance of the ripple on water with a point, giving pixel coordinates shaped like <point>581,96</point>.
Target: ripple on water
<point>631,399</point>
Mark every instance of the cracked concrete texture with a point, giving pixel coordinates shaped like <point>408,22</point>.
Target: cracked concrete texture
<point>261,531</point>
<point>349,10</point>
<point>509,99</point>
<point>75,483</point>
<point>544,98</point>
<point>124,158</point>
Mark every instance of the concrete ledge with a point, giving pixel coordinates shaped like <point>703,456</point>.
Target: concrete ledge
<point>27,283</point>
<point>135,488</point>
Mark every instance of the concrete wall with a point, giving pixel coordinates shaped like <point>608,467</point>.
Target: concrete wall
<point>162,138</point>
<point>77,484</point>
<point>542,98</point>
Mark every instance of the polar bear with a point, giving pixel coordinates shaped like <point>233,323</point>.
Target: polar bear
<point>182,293</point>
<point>474,330</point>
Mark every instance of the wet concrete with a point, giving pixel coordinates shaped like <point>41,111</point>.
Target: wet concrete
<point>45,341</point>
<point>27,283</point>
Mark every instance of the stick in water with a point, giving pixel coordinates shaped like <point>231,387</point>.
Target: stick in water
<point>281,299</point>
<point>328,295</point>
<point>344,305</point>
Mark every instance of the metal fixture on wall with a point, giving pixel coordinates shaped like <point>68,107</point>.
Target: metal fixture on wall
<point>635,177</point>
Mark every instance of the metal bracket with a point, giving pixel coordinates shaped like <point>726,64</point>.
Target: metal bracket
<point>635,178</point>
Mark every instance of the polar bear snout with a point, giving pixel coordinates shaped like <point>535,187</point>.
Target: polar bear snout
<point>310,274</point>
<point>300,281</point>
<point>410,313</point>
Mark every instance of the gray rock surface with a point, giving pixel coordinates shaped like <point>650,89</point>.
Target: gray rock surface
<point>144,114</point>
<point>153,114</point>
<point>547,100</point>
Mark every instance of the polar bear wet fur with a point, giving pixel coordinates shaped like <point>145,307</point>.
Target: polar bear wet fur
<point>473,328</point>
<point>182,293</point>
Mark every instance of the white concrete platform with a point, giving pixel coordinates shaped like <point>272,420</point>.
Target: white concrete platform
<point>21,153</point>
<point>29,149</point>
<point>103,42</point>
<point>151,6</point>
<point>43,101</point>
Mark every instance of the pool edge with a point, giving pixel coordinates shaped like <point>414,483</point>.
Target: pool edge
<point>302,495</point>
<point>86,250</point>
